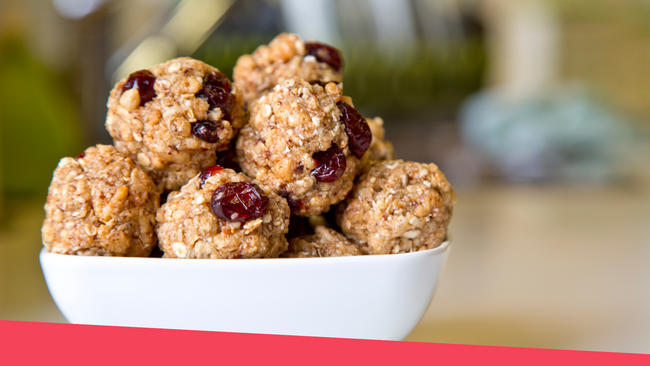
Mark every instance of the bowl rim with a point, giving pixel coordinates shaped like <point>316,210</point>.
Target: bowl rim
<point>434,251</point>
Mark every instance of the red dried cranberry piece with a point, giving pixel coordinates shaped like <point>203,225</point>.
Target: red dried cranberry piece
<point>142,81</point>
<point>357,129</point>
<point>208,172</point>
<point>326,54</point>
<point>330,164</point>
<point>218,80</point>
<point>207,130</point>
<point>80,156</point>
<point>216,90</point>
<point>239,201</point>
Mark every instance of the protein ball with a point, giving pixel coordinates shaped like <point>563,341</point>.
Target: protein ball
<point>296,143</point>
<point>100,203</point>
<point>287,56</point>
<point>399,207</point>
<point>172,118</point>
<point>223,214</point>
<point>324,243</point>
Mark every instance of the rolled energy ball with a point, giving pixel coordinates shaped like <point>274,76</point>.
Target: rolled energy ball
<point>324,243</point>
<point>172,118</point>
<point>399,207</point>
<point>380,149</point>
<point>100,203</point>
<point>287,56</point>
<point>223,214</point>
<point>297,142</point>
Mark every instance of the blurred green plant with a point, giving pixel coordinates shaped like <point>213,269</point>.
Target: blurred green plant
<point>38,121</point>
<point>430,79</point>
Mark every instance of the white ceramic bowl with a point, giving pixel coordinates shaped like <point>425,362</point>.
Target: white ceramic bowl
<point>371,297</point>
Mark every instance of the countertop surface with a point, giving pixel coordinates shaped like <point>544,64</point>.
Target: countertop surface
<point>546,267</point>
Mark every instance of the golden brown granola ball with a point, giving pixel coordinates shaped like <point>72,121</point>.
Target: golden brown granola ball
<point>297,142</point>
<point>100,203</point>
<point>399,207</point>
<point>324,243</point>
<point>223,214</point>
<point>173,117</point>
<point>380,148</point>
<point>285,57</point>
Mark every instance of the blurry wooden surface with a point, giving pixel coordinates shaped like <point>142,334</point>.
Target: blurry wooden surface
<point>23,293</point>
<point>545,267</point>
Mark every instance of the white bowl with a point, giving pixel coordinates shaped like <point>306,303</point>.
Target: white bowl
<point>371,297</point>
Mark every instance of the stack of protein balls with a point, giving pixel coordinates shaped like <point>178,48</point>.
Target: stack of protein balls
<point>277,164</point>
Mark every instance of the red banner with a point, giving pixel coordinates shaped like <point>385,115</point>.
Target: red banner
<point>27,343</point>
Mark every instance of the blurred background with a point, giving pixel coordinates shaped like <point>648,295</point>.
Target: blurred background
<point>538,112</point>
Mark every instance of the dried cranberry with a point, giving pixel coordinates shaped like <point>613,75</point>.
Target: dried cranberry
<point>326,54</point>
<point>142,81</point>
<point>357,129</point>
<point>217,91</point>
<point>208,172</point>
<point>80,156</point>
<point>330,164</point>
<point>207,130</point>
<point>218,80</point>
<point>239,201</point>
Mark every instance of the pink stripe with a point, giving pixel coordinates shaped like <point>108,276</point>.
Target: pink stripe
<point>23,343</point>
